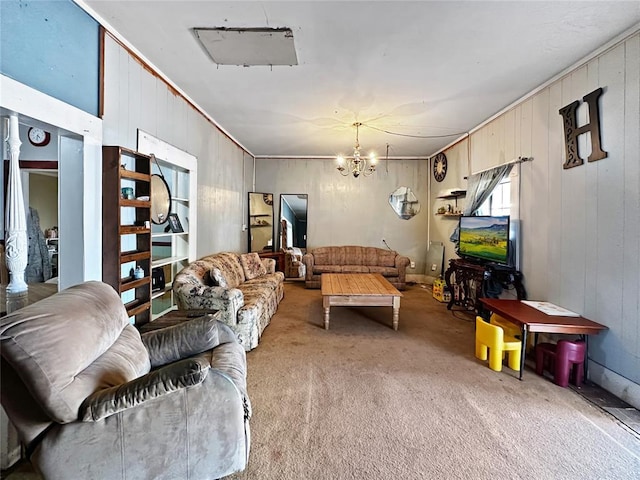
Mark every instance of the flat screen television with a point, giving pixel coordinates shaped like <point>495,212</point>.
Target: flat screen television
<point>484,239</point>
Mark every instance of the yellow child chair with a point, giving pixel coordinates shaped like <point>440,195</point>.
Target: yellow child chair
<point>510,328</point>
<point>493,337</point>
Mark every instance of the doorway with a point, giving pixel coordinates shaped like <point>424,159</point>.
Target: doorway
<point>43,204</point>
<point>40,190</point>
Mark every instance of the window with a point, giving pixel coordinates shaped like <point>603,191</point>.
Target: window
<point>499,202</point>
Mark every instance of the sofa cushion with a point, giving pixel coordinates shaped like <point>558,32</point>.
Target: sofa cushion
<point>353,255</point>
<point>123,361</point>
<point>355,269</point>
<point>217,278</point>
<point>384,271</point>
<point>327,269</point>
<point>384,258</point>
<point>270,281</point>
<point>252,265</point>
<point>230,267</point>
<point>329,256</point>
<point>54,343</point>
<point>199,270</point>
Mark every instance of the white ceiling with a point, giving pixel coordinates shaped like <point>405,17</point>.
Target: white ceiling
<point>421,68</point>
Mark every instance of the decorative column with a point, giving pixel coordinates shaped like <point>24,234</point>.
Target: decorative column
<point>16,244</point>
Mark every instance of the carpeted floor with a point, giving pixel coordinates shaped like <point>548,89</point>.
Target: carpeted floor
<point>362,401</point>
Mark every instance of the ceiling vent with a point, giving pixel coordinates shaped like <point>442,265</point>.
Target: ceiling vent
<point>248,46</point>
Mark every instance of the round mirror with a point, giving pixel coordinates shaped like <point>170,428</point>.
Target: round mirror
<point>160,200</point>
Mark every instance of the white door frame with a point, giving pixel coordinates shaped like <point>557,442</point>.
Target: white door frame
<point>80,172</point>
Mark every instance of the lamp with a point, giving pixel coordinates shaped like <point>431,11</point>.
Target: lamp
<point>356,164</point>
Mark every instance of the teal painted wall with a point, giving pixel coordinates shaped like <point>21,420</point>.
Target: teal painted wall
<point>51,46</point>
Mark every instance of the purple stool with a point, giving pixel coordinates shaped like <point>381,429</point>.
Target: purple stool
<point>564,359</point>
<point>545,357</point>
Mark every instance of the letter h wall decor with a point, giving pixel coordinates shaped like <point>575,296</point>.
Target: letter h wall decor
<point>571,130</point>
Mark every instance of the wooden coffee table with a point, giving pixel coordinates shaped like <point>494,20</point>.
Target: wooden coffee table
<point>359,290</point>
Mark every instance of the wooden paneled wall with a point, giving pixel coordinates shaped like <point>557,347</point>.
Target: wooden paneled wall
<point>354,211</point>
<point>137,98</point>
<point>580,226</point>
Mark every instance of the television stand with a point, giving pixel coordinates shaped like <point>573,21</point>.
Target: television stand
<point>469,281</point>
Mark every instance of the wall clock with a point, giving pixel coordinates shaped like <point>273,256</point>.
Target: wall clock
<point>38,137</point>
<point>439,167</point>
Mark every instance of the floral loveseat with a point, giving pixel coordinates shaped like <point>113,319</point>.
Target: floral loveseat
<point>243,287</point>
<point>355,259</point>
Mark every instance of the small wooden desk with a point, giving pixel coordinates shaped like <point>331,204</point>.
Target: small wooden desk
<point>532,320</point>
<point>277,256</point>
<point>359,290</point>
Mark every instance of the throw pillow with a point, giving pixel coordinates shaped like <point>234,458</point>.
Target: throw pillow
<point>218,278</point>
<point>252,265</point>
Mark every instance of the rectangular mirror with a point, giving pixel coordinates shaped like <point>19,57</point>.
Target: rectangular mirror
<point>261,222</point>
<point>293,221</point>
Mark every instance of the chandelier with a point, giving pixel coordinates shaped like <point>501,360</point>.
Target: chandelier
<point>357,164</point>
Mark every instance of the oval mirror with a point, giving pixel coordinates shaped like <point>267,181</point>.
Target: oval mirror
<point>404,203</point>
<point>160,199</point>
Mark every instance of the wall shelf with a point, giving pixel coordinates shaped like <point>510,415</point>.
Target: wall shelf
<point>160,262</point>
<point>126,235</point>
<point>454,195</point>
<point>168,234</point>
<point>134,255</point>
<point>159,293</point>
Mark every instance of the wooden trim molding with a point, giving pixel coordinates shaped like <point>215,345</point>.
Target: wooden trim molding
<point>31,165</point>
<point>101,73</point>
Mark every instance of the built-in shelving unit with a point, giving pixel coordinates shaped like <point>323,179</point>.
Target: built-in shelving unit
<point>172,251</point>
<point>126,228</point>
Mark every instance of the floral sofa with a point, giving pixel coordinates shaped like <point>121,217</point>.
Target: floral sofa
<point>243,287</point>
<point>355,259</point>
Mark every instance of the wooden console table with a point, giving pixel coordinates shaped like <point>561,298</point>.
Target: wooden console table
<point>277,256</point>
<point>470,282</point>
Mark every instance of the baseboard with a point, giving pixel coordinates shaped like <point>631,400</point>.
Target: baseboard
<point>621,387</point>
<point>418,278</point>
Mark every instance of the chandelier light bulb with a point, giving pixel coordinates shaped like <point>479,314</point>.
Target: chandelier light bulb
<point>357,164</point>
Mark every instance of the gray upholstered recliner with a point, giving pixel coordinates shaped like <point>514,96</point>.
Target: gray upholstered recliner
<point>92,399</point>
